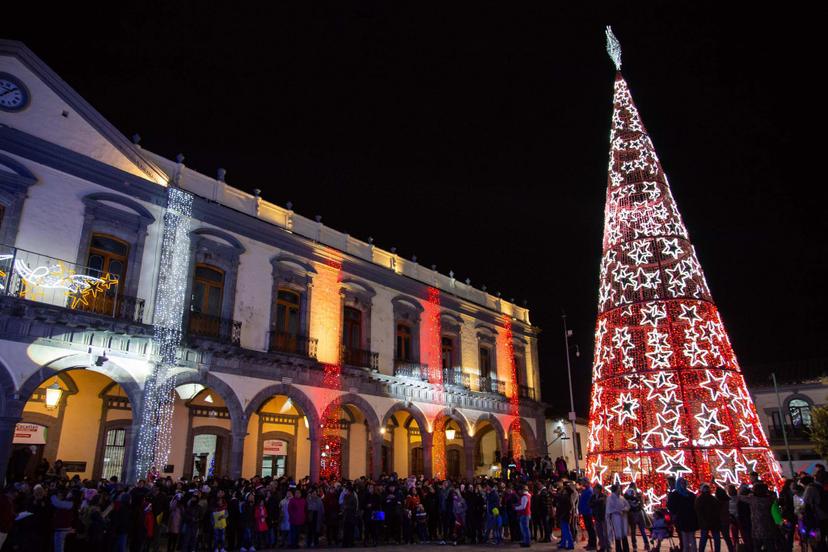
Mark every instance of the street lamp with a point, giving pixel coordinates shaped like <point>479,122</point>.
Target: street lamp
<point>567,335</point>
<point>53,394</point>
<point>450,433</point>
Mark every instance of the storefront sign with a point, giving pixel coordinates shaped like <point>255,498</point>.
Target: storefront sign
<point>274,447</point>
<point>29,434</point>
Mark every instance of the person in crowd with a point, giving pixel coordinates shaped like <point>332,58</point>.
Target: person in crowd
<point>297,513</point>
<point>724,517</point>
<point>617,510</point>
<point>708,515</point>
<point>763,530</point>
<point>659,530</point>
<point>585,511</point>
<point>563,515</point>
<point>636,516</point>
<point>598,506</point>
<point>523,509</point>
<point>681,504</point>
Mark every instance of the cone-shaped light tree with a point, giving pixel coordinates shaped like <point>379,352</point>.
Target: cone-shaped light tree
<point>668,397</point>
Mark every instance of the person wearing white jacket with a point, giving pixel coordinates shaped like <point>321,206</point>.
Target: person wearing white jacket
<point>617,527</point>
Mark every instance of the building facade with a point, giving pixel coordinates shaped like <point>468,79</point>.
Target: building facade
<point>274,300</point>
<point>794,419</point>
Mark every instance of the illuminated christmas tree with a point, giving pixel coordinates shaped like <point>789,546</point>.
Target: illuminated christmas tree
<point>668,397</point>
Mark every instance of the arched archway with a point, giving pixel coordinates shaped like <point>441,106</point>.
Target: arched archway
<point>453,446</point>
<point>489,444</point>
<point>282,409</point>
<point>57,408</point>
<point>406,441</point>
<point>529,443</point>
<point>359,437</point>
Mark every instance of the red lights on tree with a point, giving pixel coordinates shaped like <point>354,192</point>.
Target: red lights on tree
<point>668,396</point>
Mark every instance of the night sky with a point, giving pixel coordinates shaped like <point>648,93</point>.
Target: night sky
<point>476,137</point>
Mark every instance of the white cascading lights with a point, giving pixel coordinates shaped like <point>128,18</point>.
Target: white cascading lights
<point>155,435</point>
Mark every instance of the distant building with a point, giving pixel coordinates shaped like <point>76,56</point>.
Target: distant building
<point>560,441</point>
<point>798,400</point>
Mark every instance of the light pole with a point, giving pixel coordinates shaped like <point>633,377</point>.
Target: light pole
<point>782,419</point>
<point>567,333</point>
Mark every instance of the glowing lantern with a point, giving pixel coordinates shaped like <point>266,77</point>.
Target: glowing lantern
<point>53,394</point>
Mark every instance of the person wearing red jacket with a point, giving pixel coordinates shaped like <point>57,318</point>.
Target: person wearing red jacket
<point>524,511</point>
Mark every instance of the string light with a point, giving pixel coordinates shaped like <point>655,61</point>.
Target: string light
<point>331,442</point>
<point>514,399</point>
<point>154,439</point>
<point>668,396</point>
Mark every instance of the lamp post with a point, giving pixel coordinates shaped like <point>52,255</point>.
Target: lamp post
<point>568,333</point>
<point>782,420</point>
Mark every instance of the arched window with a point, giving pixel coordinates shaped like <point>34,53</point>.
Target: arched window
<point>800,411</point>
<point>352,334</point>
<point>403,342</point>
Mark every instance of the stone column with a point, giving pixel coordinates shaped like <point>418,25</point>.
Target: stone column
<point>428,439</point>
<point>315,457</point>
<point>236,453</point>
<point>376,456</point>
<point>7,425</point>
<point>468,453</point>
<point>130,450</point>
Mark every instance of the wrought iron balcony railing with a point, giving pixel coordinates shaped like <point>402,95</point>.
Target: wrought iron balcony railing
<point>294,344</point>
<point>793,433</point>
<point>360,358</point>
<point>44,279</point>
<point>491,385</point>
<point>455,376</point>
<point>223,330</point>
<point>408,369</point>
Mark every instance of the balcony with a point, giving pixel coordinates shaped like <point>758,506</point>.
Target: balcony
<point>492,385</point>
<point>456,377</point>
<point>51,281</point>
<point>526,392</point>
<point>214,328</point>
<point>412,370</point>
<point>293,344</point>
<point>360,358</point>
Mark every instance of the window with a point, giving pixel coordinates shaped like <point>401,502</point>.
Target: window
<point>352,334</point>
<point>205,304</point>
<point>800,413</point>
<point>447,352</point>
<point>417,463</point>
<point>113,458</point>
<point>485,362</point>
<point>287,312</point>
<point>403,342</point>
<point>107,255</point>
<point>520,370</point>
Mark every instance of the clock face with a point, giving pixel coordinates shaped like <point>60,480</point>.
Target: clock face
<point>13,94</point>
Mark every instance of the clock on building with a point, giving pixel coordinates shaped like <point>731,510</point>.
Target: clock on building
<point>14,96</point>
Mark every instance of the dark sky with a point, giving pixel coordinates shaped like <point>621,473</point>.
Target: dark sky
<point>476,136</point>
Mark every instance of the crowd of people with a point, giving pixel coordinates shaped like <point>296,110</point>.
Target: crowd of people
<point>535,501</point>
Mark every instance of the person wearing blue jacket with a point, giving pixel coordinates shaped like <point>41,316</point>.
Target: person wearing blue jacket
<point>585,510</point>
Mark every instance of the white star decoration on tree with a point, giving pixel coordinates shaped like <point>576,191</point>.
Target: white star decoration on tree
<point>710,429</point>
<point>689,314</point>
<point>658,384</point>
<point>670,248</point>
<point>716,386</point>
<point>674,464</point>
<point>652,314</point>
<point>748,433</point>
<point>661,351</point>
<point>696,355</point>
<point>633,467</point>
<point>652,500</point>
<point>626,407</point>
<point>598,470</point>
<point>729,467</point>
<point>640,252</point>
<point>670,404</point>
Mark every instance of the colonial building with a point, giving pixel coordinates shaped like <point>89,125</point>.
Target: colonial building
<point>429,370</point>
<point>800,391</point>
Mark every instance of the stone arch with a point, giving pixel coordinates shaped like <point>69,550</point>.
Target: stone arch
<point>458,417</point>
<point>528,435</point>
<point>364,407</point>
<point>78,362</point>
<point>238,417</point>
<point>412,410</point>
<point>494,422</point>
<point>298,398</point>
<point>124,201</point>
